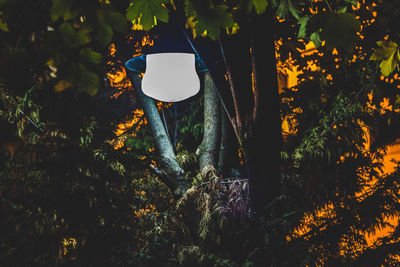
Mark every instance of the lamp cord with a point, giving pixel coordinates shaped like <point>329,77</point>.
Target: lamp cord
<point>165,124</point>
<point>189,41</point>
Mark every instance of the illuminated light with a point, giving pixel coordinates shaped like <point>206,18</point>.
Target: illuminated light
<point>170,77</point>
<point>169,67</point>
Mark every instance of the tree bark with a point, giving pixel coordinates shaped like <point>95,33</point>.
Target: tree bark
<point>176,124</point>
<point>263,146</point>
<point>174,175</point>
<point>226,152</point>
<point>209,147</point>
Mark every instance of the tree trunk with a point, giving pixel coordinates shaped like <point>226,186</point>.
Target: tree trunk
<point>174,175</point>
<point>226,151</point>
<point>208,149</point>
<point>263,146</point>
<point>248,61</point>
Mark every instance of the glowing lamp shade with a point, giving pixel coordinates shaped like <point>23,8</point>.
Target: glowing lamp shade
<point>170,77</point>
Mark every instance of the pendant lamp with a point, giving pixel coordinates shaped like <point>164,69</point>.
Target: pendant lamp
<point>170,67</point>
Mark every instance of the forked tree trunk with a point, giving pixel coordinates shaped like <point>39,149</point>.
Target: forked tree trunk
<point>173,174</point>
<point>209,147</point>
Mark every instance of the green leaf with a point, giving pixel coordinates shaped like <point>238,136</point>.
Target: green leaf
<point>73,37</point>
<point>189,9</point>
<point>147,12</point>
<point>385,50</point>
<point>353,2</point>
<point>90,56</point>
<point>3,26</point>
<point>61,8</point>
<point>88,82</point>
<point>302,34</point>
<point>284,8</point>
<point>338,30</point>
<point>388,65</point>
<point>342,10</point>
<point>389,56</point>
<point>115,19</point>
<point>397,103</point>
<point>212,20</point>
<point>260,5</point>
<point>314,37</point>
<point>104,34</point>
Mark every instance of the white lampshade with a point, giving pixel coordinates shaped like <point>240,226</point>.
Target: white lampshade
<point>170,77</point>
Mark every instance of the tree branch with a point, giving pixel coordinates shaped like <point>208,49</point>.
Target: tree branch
<point>236,121</point>
<point>255,87</point>
<point>168,158</point>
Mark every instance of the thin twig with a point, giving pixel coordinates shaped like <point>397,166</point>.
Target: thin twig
<point>329,6</point>
<point>30,120</point>
<point>225,182</point>
<point>351,103</point>
<point>232,87</point>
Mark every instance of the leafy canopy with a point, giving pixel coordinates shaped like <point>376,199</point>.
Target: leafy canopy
<point>85,30</point>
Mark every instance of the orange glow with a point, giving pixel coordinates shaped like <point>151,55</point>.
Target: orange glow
<point>117,77</point>
<point>132,124</point>
<point>118,80</point>
<point>393,153</point>
<point>112,49</point>
<point>150,208</point>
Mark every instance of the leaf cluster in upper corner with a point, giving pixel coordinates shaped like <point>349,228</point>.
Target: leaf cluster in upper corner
<point>74,61</point>
<point>337,27</point>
